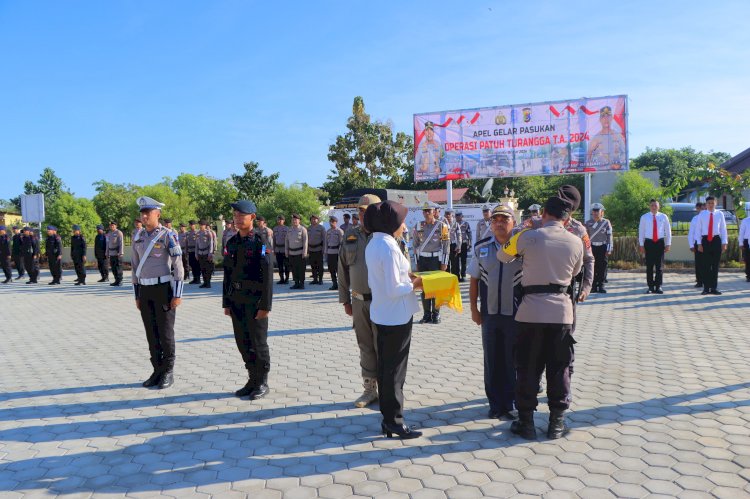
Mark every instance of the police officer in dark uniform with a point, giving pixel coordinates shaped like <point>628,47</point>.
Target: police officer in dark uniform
<point>53,248</point>
<point>5,251</point>
<point>100,253</point>
<point>30,250</point>
<point>247,296</point>
<point>78,254</point>
<point>17,253</point>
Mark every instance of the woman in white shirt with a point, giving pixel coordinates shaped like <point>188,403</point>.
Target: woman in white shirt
<point>392,308</point>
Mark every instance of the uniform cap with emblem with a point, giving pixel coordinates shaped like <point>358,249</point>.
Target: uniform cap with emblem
<point>183,224</point>
<point>15,227</point>
<point>316,217</point>
<point>502,210</point>
<point>449,212</point>
<point>597,206</point>
<point>167,220</point>
<point>571,194</point>
<point>368,199</point>
<point>113,222</point>
<point>27,229</point>
<point>355,216</point>
<point>146,203</point>
<point>535,207</point>
<point>2,227</point>
<point>459,214</point>
<point>51,227</point>
<point>427,206</point>
<point>296,215</point>
<point>333,219</point>
<point>76,227</point>
<point>100,227</point>
<point>245,206</point>
<point>203,221</point>
<point>486,207</point>
<point>429,125</point>
<point>261,218</point>
<point>280,217</point>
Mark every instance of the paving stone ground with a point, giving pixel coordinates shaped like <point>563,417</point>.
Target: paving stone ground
<point>661,403</point>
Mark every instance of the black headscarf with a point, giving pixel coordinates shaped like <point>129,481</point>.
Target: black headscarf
<point>385,217</point>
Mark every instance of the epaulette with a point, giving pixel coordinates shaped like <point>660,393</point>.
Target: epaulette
<point>351,237</point>
<point>482,241</point>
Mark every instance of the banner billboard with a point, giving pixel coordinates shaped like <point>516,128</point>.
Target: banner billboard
<point>587,135</point>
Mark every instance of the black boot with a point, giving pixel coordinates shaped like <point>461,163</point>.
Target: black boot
<point>167,380</point>
<point>152,380</point>
<point>401,430</point>
<point>436,317</point>
<point>7,280</point>
<point>556,428</point>
<point>262,389</point>
<point>249,387</point>
<point>524,427</point>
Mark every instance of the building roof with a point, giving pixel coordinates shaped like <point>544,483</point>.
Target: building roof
<point>441,195</point>
<point>738,163</point>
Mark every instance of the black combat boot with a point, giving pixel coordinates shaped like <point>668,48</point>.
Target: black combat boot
<point>262,389</point>
<point>556,428</point>
<point>436,317</point>
<point>249,387</point>
<point>152,380</point>
<point>524,427</point>
<point>167,379</point>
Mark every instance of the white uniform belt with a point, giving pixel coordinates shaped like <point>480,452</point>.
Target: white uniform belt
<point>155,280</point>
<point>427,254</point>
<point>598,244</point>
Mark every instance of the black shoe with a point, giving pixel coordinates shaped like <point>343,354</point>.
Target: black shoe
<point>51,283</point>
<point>116,283</point>
<point>204,286</point>
<point>436,318</point>
<point>606,281</point>
<point>715,292</point>
<point>247,389</point>
<point>22,276</point>
<point>259,392</point>
<point>650,290</point>
<point>152,380</point>
<point>507,416</point>
<point>30,282</point>
<point>557,428</point>
<point>166,380</point>
<point>493,414</point>
<point>296,286</point>
<point>698,285</point>
<point>524,426</point>
<point>194,281</point>
<point>302,286</point>
<point>658,291</point>
<point>280,282</point>
<point>319,283</point>
<point>103,279</point>
<point>404,432</point>
<point>83,283</point>
<point>6,281</point>
<point>602,290</point>
<point>333,288</point>
<point>705,292</point>
<point>77,283</point>
<point>425,320</point>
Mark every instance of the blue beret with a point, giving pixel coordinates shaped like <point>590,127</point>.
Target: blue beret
<point>245,206</point>
<point>51,227</point>
<point>100,227</point>
<point>76,227</point>
<point>27,228</point>
<point>2,227</point>
<point>15,227</point>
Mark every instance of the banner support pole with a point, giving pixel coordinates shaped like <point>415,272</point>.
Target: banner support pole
<point>449,191</point>
<point>587,197</point>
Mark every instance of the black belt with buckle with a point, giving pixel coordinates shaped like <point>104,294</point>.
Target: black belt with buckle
<point>545,288</point>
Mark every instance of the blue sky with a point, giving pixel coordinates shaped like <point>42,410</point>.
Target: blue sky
<point>132,91</point>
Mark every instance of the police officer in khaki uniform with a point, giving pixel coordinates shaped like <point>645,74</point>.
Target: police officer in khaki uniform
<point>296,251</point>
<point>485,224</point>
<point>600,235</point>
<point>466,241</point>
<point>552,256</point>
<point>347,222</point>
<point>316,236</point>
<point>454,232</point>
<point>137,228</point>
<point>195,266</point>
<point>431,246</point>
<point>115,252</point>
<point>227,234</point>
<point>279,248</point>
<point>334,240</point>
<point>204,251</point>
<point>265,233</point>
<point>157,283</point>
<point>246,298</point>
<point>534,220</point>
<point>355,295</point>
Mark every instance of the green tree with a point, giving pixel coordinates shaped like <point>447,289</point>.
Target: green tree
<point>254,184</point>
<point>114,202</point>
<point>209,196</point>
<point>68,211</point>
<point>715,181</point>
<point>48,184</point>
<point>178,208</point>
<point>296,198</point>
<point>368,155</point>
<point>674,163</point>
<point>630,199</point>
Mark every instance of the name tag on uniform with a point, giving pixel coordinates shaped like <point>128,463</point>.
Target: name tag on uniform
<point>157,246</point>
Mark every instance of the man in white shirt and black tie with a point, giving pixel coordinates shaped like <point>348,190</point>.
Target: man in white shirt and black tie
<point>712,229</point>
<point>655,239</point>
<point>694,240</point>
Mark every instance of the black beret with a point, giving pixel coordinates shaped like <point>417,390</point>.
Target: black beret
<point>570,193</point>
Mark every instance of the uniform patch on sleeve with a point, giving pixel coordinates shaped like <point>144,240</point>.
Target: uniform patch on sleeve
<point>586,241</point>
<point>484,252</point>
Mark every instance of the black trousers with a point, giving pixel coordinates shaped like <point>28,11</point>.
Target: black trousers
<point>282,264</point>
<point>80,268</point>
<point>316,265</point>
<point>746,246</point>
<point>333,268</point>
<point>453,260</point>
<point>462,258</point>
<point>393,356</point>
<point>55,268</point>
<point>297,263</point>
<point>115,263</point>
<point>207,268</point>
<point>423,265</point>
<point>654,261</point>
<point>498,341</point>
<point>600,264</point>
<point>251,336</point>
<point>195,266</point>
<point>32,267</point>
<point>20,268</point>
<point>540,347</point>
<point>5,262</point>
<point>158,319</point>
<point>186,266</point>
<point>698,257</point>
<point>711,259</point>
<point>103,265</point>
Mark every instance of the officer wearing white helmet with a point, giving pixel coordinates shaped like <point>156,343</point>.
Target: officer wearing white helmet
<point>483,226</point>
<point>600,234</point>
<point>534,220</point>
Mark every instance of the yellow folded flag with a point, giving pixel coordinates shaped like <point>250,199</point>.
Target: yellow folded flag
<point>443,287</point>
